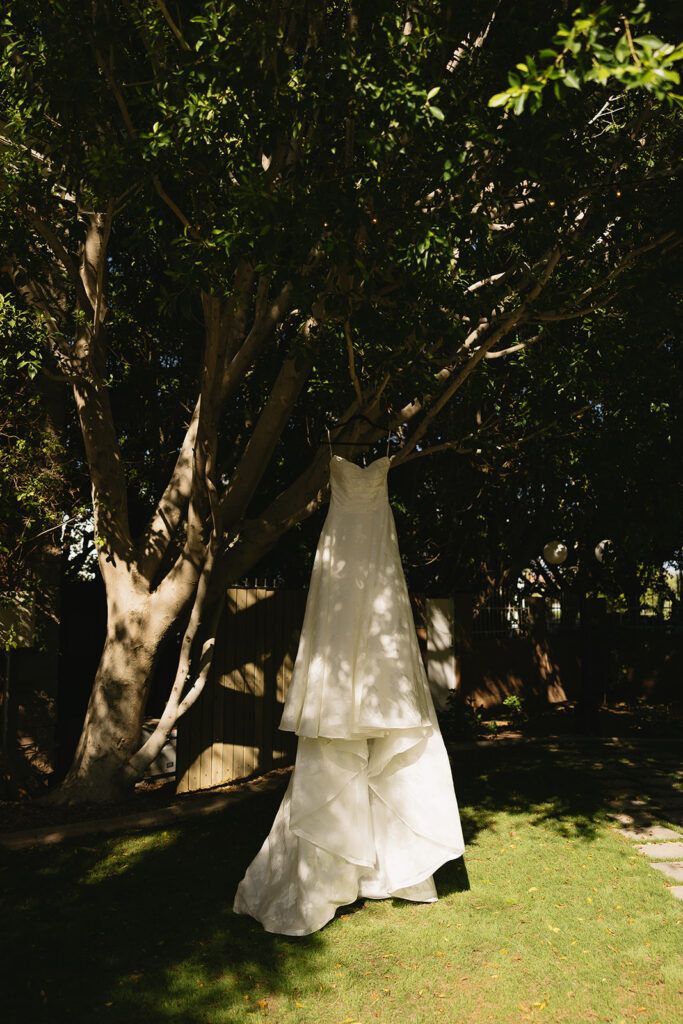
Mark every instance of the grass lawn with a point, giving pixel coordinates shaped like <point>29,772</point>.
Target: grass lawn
<point>550,916</point>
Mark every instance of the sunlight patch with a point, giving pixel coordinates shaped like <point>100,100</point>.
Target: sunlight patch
<point>127,853</point>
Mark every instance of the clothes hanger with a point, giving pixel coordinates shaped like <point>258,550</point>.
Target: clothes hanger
<point>356,416</point>
<point>355,443</point>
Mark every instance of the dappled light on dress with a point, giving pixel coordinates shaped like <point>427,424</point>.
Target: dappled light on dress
<point>370,809</point>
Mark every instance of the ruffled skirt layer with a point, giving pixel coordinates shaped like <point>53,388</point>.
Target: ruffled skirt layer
<point>360,818</point>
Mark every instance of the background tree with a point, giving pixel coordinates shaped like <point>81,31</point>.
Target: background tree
<point>282,217</point>
<point>582,442</point>
<point>32,478</point>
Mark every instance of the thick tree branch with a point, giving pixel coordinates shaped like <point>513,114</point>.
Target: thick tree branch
<point>109,497</point>
<point>252,344</point>
<point>58,249</point>
<point>262,443</point>
<point>172,505</point>
<point>173,710</point>
<point>102,242</point>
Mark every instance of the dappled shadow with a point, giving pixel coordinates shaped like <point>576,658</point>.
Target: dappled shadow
<point>150,937</point>
<point>547,785</point>
<point>146,938</point>
<point>570,786</point>
<point>358,670</point>
<point>231,731</point>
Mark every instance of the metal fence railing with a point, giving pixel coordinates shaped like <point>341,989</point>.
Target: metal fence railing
<point>500,619</point>
<point>513,616</point>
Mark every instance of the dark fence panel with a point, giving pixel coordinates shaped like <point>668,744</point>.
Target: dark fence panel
<point>231,731</point>
<point>536,647</point>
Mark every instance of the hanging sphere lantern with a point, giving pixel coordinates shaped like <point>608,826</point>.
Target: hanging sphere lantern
<point>603,551</point>
<point>555,552</point>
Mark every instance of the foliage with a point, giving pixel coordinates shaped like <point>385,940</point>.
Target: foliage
<point>31,468</point>
<point>599,46</point>
<point>201,110</point>
<point>514,706</point>
<point>461,719</point>
<point>581,443</point>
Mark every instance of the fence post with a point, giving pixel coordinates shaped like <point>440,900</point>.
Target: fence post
<point>463,615</point>
<point>538,624</point>
<point>440,653</point>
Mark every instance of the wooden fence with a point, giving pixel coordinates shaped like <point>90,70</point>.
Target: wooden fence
<point>232,729</point>
<point>232,732</point>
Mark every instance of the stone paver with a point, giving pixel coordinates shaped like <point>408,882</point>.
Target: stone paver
<point>671,868</point>
<point>638,818</point>
<point>631,805</point>
<point>650,832</point>
<point>662,851</point>
<point>654,793</point>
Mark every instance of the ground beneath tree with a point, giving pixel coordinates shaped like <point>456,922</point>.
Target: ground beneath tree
<point>640,721</point>
<point>149,795</point>
<point>635,720</point>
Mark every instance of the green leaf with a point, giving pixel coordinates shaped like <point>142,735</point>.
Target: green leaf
<point>653,42</point>
<point>622,50</point>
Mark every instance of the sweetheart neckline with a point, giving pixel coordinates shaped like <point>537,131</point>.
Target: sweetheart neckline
<point>382,458</point>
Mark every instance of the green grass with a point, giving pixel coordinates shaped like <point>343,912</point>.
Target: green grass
<point>551,916</point>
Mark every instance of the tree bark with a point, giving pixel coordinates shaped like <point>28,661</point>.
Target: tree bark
<point>111,732</point>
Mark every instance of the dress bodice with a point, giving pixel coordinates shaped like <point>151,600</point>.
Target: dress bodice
<point>358,488</point>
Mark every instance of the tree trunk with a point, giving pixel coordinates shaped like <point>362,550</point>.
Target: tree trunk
<point>113,721</point>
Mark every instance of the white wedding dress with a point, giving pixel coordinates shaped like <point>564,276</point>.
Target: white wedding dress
<point>370,809</point>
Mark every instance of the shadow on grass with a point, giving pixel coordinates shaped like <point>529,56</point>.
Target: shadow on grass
<point>150,937</point>
<point>556,787</point>
<point>151,940</point>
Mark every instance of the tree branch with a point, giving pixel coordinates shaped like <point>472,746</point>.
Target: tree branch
<point>171,506</point>
<point>514,348</point>
<point>266,434</point>
<point>483,345</point>
<point>352,364</point>
<point>173,710</point>
<point>173,206</point>
<point>55,244</point>
<point>576,310</point>
<point>130,127</point>
<point>252,344</point>
<point>172,25</point>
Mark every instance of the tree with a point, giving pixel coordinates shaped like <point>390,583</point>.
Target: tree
<point>327,193</point>
<point>582,443</point>
<point>31,474</point>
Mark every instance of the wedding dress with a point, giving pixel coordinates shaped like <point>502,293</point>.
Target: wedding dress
<point>370,809</point>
